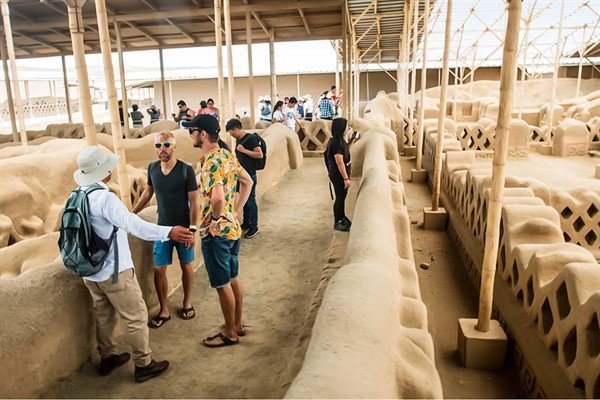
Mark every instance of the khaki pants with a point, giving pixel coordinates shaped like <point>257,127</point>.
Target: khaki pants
<point>123,298</point>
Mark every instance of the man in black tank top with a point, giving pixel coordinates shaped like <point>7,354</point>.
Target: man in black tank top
<point>185,113</point>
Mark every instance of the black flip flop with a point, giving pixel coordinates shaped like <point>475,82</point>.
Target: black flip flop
<point>158,321</point>
<point>225,339</point>
<point>185,313</point>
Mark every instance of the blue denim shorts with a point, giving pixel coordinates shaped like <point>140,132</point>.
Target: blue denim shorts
<point>163,253</point>
<point>220,259</point>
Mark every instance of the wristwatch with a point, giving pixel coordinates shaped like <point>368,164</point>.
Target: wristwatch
<point>192,228</point>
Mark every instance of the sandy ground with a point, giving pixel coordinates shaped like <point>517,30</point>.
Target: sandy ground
<point>281,269</point>
<point>449,294</point>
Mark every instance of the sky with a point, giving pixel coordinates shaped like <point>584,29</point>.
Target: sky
<point>290,58</point>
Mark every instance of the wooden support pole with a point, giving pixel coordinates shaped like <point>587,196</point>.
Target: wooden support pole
<point>421,131</point>
<point>83,83</point>
<point>556,67</point>
<point>115,120</point>
<point>230,75</point>
<point>413,80</point>
<point>9,96</point>
<point>337,65</point>
<point>524,63</point>
<point>407,49</point>
<point>252,100</point>
<point>163,85</point>
<point>401,71</point>
<point>437,170</point>
<point>272,74</point>
<point>67,92</point>
<point>124,97</point>
<point>345,88</point>
<point>220,79</point>
<point>507,82</point>
<point>580,66</point>
<point>10,49</point>
<point>28,98</point>
<point>456,80</point>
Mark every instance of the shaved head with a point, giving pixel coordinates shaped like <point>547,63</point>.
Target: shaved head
<point>164,136</point>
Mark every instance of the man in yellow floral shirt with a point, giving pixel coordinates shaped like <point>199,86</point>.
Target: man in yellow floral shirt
<point>220,228</point>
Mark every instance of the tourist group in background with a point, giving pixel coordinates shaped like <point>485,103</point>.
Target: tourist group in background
<point>209,207</point>
<point>288,111</point>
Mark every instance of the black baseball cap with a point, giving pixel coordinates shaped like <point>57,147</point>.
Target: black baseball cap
<point>203,122</point>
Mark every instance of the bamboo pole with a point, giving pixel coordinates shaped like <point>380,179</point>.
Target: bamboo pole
<point>124,96</point>
<point>556,66</point>
<point>423,87</point>
<point>524,64</point>
<point>344,66</point>
<point>400,72</point>
<point>250,71</point>
<point>456,80</point>
<point>413,80</point>
<point>9,96</point>
<point>230,75</point>
<point>53,90</point>
<point>367,82</point>
<point>507,83</point>
<point>407,58</point>
<point>115,120</point>
<point>472,70</point>
<point>28,98</point>
<point>580,67</point>
<point>67,92</point>
<point>272,66</point>
<point>83,83</point>
<point>163,85</point>
<point>337,65</point>
<point>437,170</point>
<point>10,49</point>
<point>219,45</point>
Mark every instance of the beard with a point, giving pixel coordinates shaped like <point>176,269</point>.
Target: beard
<point>164,157</point>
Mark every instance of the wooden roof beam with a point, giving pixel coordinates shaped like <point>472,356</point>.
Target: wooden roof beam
<point>304,21</point>
<point>235,10</point>
<point>185,33</point>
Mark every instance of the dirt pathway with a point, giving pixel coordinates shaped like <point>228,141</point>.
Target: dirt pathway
<point>449,294</point>
<point>280,269</point>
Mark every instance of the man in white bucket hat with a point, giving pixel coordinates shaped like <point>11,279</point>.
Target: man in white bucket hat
<point>123,295</point>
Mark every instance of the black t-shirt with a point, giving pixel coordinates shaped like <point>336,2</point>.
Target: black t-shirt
<point>337,147</point>
<point>172,192</point>
<point>250,142</point>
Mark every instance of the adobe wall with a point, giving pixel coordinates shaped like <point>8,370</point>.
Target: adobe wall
<point>555,284</point>
<point>370,337</point>
<point>47,328</point>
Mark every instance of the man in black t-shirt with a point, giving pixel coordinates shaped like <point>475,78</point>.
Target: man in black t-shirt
<point>174,183</point>
<point>247,151</point>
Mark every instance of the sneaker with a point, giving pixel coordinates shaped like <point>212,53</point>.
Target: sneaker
<point>346,222</point>
<point>109,364</point>
<point>251,233</point>
<point>341,226</point>
<point>152,370</point>
<point>245,227</point>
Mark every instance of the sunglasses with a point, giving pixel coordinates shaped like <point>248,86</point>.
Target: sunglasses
<point>165,144</point>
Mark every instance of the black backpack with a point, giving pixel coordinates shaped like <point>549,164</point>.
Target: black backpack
<point>82,251</point>
<point>259,163</point>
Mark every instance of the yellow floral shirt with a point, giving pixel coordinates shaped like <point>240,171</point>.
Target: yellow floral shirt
<point>220,167</point>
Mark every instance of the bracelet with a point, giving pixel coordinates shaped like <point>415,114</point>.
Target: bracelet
<point>215,219</point>
<point>347,179</point>
<point>192,228</point>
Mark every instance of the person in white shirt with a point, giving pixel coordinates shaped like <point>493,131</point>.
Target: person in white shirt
<point>308,107</point>
<point>278,115</point>
<point>123,297</point>
<point>290,114</point>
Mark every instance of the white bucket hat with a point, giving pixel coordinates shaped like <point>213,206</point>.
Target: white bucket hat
<point>94,165</point>
<point>267,98</point>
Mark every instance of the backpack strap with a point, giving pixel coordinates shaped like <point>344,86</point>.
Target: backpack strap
<point>113,235</point>
<point>113,238</point>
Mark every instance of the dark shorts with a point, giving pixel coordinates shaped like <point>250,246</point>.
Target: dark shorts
<point>220,259</point>
<point>163,253</point>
